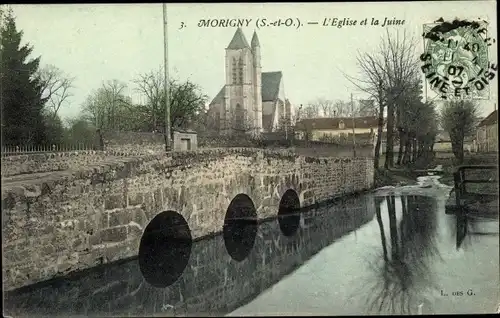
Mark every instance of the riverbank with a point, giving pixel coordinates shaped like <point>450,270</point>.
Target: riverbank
<point>408,175</point>
<point>400,177</point>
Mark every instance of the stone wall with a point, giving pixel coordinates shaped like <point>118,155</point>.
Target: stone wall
<point>55,225</point>
<point>52,161</point>
<point>134,142</point>
<point>211,284</point>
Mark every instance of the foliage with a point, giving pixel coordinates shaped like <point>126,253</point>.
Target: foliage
<point>80,131</point>
<point>186,101</point>
<point>459,119</point>
<point>21,90</point>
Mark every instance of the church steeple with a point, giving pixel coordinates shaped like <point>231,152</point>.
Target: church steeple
<point>239,41</point>
<point>255,40</point>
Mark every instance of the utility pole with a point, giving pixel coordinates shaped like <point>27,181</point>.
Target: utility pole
<point>165,84</point>
<point>353,129</point>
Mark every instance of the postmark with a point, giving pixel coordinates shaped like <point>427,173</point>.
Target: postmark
<point>455,59</point>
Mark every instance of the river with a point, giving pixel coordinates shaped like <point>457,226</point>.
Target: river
<point>391,251</point>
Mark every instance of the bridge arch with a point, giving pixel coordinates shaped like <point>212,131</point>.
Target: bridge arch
<point>240,227</point>
<point>289,213</point>
<point>165,248</point>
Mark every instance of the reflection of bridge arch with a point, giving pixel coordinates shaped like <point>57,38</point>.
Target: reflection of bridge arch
<point>165,249</point>
<point>248,198</point>
<point>240,227</point>
<point>289,213</point>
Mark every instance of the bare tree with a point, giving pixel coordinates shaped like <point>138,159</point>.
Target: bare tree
<point>326,106</point>
<point>386,75</point>
<point>310,111</point>
<point>108,108</point>
<point>56,87</point>
<point>400,66</point>
<point>151,85</point>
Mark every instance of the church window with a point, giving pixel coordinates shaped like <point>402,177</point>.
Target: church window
<point>234,70</point>
<point>240,69</point>
<point>239,117</point>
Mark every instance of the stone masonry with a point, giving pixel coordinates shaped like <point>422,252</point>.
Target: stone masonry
<point>212,281</point>
<point>59,223</point>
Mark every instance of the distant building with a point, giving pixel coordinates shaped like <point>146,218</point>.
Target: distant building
<point>487,133</point>
<point>250,101</point>
<point>326,128</point>
<point>442,142</point>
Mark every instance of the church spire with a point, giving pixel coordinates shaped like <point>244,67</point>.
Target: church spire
<point>239,41</point>
<point>255,40</point>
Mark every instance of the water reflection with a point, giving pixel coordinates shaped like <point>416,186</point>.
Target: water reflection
<point>240,227</point>
<point>469,229</point>
<point>213,283</point>
<point>165,249</point>
<point>289,213</point>
<point>402,272</point>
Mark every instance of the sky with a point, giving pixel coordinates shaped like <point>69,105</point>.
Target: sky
<point>99,42</point>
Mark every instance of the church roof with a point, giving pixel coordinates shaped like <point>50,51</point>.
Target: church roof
<point>239,41</point>
<point>255,40</point>
<point>270,87</point>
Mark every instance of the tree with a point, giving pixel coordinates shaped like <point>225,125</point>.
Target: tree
<point>151,86</point>
<point>459,119</point>
<point>187,102</point>
<point>81,132</point>
<point>21,89</point>
<point>54,128</point>
<point>310,111</point>
<point>386,76</point>
<point>56,87</point>
<point>400,66</point>
<point>109,109</point>
<point>326,106</point>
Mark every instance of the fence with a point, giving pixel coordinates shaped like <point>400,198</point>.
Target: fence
<point>28,149</point>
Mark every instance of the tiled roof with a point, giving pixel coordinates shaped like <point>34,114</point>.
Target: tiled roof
<point>271,85</point>
<point>239,41</point>
<point>270,88</point>
<point>333,123</point>
<point>490,119</point>
<point>219,97</point>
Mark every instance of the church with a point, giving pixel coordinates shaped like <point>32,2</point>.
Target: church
<point>251,101</point>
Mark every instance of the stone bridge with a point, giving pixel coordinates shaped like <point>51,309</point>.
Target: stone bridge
<point>59,222</point>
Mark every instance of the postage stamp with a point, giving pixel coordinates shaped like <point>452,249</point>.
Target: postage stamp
<point>455,59</point>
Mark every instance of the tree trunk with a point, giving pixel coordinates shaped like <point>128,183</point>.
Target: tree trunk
<point>393,226</point>
<point>406,156</point>
<point>402,138</point>
<point>379,135</point>
<point>415,148</point>
<point>389,153</point>
<point>381,227</point>
<point>457,147</point>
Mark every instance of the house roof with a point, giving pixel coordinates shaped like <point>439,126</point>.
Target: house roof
<point>270,88</point>
<point>239,41</point>
<point>490,119</point>
<point>333,123</point>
